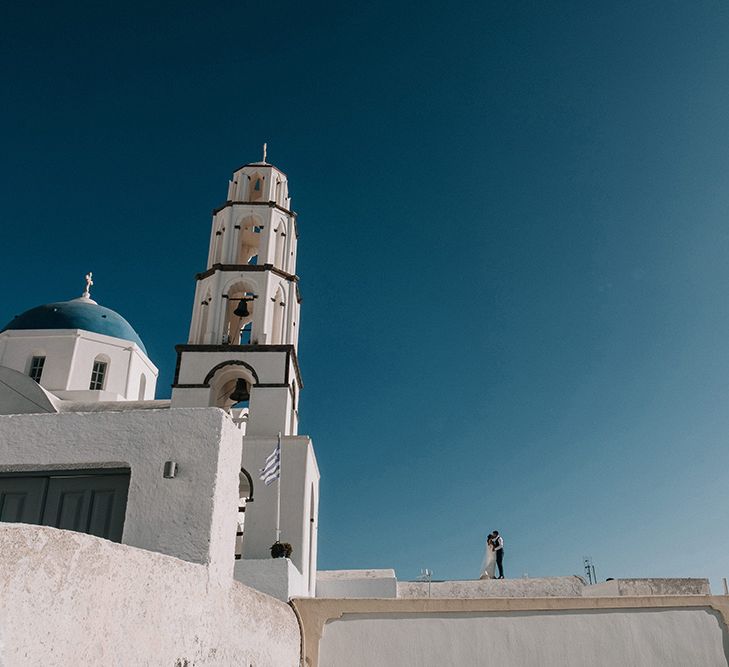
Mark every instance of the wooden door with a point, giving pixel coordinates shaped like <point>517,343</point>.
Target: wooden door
<point>92,502</point>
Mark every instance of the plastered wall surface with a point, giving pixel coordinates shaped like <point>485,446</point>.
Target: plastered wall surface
<point>70,355</point>
<point>356,584</point>
<point>658,631</point>
<point>482,588</point>
<point>672,637</point>
<point>649,587</point>
<point>277,577</point>
<point>188,517</point>
<point>299,503</point>
<point>72,599</point>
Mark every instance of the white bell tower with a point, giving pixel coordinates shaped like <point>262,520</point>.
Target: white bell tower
<point>241,356</point>
<point>241,351</point>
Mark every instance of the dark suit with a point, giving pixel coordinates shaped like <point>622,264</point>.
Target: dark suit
<point>500,556</point>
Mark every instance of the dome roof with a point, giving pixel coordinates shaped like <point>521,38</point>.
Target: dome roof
<point>81,313</point>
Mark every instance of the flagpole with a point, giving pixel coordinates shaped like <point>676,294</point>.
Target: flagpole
<point>278,490</point>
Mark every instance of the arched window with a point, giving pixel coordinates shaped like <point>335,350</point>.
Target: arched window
<point>99,373</point>
<point>142,387</point>
<point>204,313</point>
<point>217,244</point>
<point>238,325</point>
<point>245,496</point>
<point>277,325</point>
<point>313,511</point>
<point>256,187</point>
<point>250,241</point>
<point>280,249</point>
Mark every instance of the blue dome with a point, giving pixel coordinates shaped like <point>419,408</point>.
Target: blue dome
<point>76,314</point>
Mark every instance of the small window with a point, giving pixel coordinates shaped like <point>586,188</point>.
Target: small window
<point>98,375</point>
<point>36,368</point>
<point>257,186</point>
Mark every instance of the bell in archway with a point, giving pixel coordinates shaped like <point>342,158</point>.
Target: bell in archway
<point>241,309</point>
<point>240,393</point>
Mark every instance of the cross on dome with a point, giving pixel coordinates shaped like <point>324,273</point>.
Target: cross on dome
<point>89,283</point>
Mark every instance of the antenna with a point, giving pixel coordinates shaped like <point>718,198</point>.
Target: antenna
<point>589,569</point>
<point>426,575</point>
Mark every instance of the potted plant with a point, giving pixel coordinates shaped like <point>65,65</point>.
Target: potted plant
<point>281,550</point>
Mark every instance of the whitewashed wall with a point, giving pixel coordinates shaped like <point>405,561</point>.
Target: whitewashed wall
<point>192,516</point>
<point>356,584</point>
<point>650,631</point>
<point>645,637</point>
<point>299,503</point>
<point>73,599</point>
<point>70,355</point>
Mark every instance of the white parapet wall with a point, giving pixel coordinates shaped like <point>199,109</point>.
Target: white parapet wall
<point>499,588</point>
<point>68,598</point>
<point>674,586</point>
<point>277,577</point>
<point>650,631</point>
<point>356,584</point>
<point>343,584</point>
<point>299,488</point>
<point>192,516</point>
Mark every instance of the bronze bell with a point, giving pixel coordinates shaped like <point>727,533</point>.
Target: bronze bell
<point>241,309</point>
<point>240,393</point>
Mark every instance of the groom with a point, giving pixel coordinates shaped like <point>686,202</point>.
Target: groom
<point>499,549</point>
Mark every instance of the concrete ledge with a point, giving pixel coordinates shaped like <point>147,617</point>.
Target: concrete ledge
<point>68,598</point>
<point>648,587</point>
<point>356,584</point>
<point>488,588</point>
<point>277,577</point>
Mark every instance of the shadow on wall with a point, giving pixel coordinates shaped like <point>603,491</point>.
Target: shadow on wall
<point>84,597</point>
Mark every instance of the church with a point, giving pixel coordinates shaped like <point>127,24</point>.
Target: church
<point>182,532</point>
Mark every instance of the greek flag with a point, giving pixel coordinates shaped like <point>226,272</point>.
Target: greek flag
<point>272,470</point>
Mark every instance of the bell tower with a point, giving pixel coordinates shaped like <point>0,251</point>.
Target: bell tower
<point>241,350</point>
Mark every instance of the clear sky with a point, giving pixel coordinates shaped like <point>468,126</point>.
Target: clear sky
<point>514,223</point>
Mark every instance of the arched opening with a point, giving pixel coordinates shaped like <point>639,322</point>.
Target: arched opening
<point>203,319</point>
<point>256,187</point>
<point>250,241</point>
<point>230,387</point>
<point>217,245</point>
<point>312,540</point>
<point>280,249</point>
<point>245,496</point>
<point>277,325</point>
<point>240,310</point>
<point>142,387</point>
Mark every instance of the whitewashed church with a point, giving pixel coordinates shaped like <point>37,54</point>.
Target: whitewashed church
<point>136,531</point>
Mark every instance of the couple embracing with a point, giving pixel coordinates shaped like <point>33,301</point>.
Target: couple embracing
<point>494,557</point>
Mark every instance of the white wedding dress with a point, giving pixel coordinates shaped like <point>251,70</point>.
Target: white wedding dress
<point>488,567</point>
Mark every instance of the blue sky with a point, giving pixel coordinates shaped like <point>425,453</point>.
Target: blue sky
<point>514,226</point>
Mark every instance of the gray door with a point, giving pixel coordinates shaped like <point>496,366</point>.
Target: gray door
<point>21,498</point>
<point>91,502</point>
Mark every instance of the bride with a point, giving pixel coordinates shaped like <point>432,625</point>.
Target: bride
<point>488,567</point>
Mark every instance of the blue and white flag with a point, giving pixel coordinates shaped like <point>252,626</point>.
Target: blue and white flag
<point>272,470</point>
